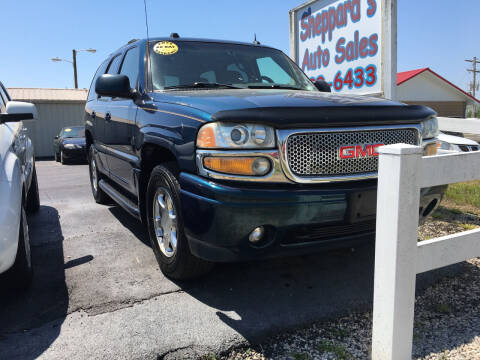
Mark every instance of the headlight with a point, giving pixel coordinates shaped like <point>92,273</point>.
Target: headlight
<point>430,128</point>
<point>235,136</point>
<point>69,146</point>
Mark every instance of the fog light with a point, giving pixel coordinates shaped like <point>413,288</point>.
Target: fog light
<point>257,234</point>
<point>261,166</point>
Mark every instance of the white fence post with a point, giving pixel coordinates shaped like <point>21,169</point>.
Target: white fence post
<point>395,251</point>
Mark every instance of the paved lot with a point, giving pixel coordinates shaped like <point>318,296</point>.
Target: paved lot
<point>98,292</point>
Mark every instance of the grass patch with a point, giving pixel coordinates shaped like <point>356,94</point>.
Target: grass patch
<point>300,356</point>
<point>337,350</point>
<point>468,226</point>
<point>467,193</point>
<point>338,332</point>
<point>443,308</point>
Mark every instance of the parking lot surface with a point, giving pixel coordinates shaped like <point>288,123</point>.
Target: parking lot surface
<point>98,292</point>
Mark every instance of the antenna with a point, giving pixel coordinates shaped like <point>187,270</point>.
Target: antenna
<point>146,18</point>
<point>255,40</point>
<point>148,48</point>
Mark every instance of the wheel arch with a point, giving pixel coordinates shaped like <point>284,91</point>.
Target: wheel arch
<point>153,154</point>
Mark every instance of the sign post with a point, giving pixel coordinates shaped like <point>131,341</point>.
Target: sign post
<point>351,44</point>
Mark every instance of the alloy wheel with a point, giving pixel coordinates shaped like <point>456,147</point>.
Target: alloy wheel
<point>165,222</point>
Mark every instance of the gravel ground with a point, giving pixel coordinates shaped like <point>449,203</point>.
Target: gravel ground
<point>447,315</point>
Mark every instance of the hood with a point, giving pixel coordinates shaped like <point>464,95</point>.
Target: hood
<point>76,141</point>
<point>282,108</point>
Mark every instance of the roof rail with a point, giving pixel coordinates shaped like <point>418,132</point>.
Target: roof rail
<point>132,41</point>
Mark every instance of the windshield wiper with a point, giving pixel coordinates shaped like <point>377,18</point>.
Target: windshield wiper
<point>274,86</point>
<point>205,85</point>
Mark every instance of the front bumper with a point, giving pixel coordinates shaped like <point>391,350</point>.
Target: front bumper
<point>76,153</point>
<point>298,219</point>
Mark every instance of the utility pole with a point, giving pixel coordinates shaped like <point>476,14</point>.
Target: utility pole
<point>74,62</point>
<point>474,61</point>
<point>75,79</point>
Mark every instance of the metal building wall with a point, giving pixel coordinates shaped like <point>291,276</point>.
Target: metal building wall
<point>51,118</point>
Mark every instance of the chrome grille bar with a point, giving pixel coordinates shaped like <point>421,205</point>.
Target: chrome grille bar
<point>313,155</point>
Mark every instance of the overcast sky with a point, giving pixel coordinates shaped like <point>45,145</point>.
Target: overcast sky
<point>439,34</point>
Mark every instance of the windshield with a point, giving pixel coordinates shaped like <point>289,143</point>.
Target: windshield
<point>73,132</point>
<point>185,64</point>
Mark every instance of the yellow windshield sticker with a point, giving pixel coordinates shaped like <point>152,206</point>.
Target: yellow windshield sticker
<point>165,48</point>
<point>68,130</point>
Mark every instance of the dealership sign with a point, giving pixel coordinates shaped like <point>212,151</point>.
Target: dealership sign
<point>348,43</point>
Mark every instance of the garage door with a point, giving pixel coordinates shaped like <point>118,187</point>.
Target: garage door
<point>445,108</point>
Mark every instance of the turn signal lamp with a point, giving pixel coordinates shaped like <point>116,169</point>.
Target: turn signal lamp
<point>206,138</point>
<point>248,166</point>
<point>430,149</point>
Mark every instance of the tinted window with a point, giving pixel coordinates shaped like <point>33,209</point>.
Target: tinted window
<point>4,98</point>
<point>101,70</point>
<point>2,105</point>
<point>130,65</point>
<point>113,67</point>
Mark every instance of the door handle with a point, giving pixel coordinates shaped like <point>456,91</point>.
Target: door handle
<point>93,114</point>
<point>108,116</point>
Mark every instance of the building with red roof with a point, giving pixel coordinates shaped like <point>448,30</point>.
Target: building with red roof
<point>426,87</point>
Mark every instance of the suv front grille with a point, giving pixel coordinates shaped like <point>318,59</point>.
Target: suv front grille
<point>317,153</point>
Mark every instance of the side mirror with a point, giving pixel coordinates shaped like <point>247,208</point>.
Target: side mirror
<point>4,118</point>
<point>114,86</point>
<point>19,111</point>
<point>56,137</point>
<point>322,86</point>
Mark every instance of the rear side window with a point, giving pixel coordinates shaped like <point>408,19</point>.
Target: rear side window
<point>130,65</point>
<point>113,67</point>
<point>2,105</point>
<point>92,95</point>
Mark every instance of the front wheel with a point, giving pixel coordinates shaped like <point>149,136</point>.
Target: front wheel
<point>21,273</point>
<point>62,158</point>
<point>33,197</point>
<point>165,228</point>
<point>98,194</point>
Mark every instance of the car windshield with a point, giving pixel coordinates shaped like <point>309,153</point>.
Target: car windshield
<point>187,64</point>
<point>73,132</point>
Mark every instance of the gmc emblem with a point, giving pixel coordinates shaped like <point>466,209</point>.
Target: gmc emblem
<point>358,151</point>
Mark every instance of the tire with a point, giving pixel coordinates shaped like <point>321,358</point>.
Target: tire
<point>98,194</point>
<point>62,158</point>
<point>33,197</point>
<point>178,263</point>
<point>21,273</point>
<point>57,157</point>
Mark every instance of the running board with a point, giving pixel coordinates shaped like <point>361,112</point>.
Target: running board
<point>121,200</point>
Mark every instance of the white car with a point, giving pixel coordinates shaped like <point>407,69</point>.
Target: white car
<point>450,143</point>
<point>18,189</point>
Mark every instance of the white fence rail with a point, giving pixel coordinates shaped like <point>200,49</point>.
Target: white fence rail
<point>398,256</point>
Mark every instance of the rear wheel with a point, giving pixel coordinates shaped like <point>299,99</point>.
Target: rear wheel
<point>33,197</point>
<point>21,273</point>
<point>62,158</point>
<point>98,194</point>
<point>165,227</point>
<point>57,157</point>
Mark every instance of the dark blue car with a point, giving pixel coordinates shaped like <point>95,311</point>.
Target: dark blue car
<point>227,151</point>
